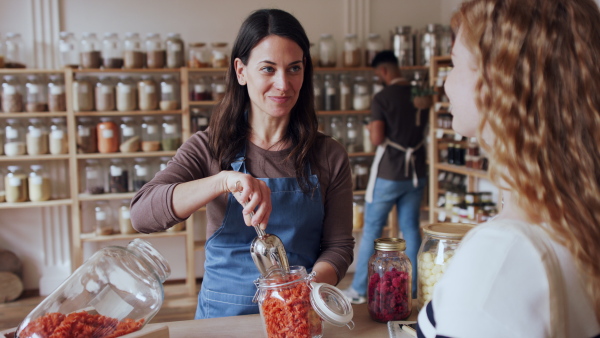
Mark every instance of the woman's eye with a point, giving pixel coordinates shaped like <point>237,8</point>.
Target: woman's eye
<point>295,69</point>
<point>268,69</point>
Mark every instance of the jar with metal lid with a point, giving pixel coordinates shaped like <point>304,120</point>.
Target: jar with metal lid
<point>150,134</point>
<point>94,177</point>
<point>375,45</point>
<point>12,95</point>
<point>141,173</point>
<point>104,223</point>
<point>112,51</point>
<point>402,45</point>
<point>175,56</point>
<point>125,225</point>
<point>389,281</point>
<point>292,302</point>
<point>39,184</point>
<point>169,93</point>
<point>361,99</point>
<point>14,144</point>
<point>36,137</point>
<point>133,55</point>
<point>318,92</point>
<point>352,51</point>
<point>89,51</point>
<point>199,55</point>
<point>436,251</point>
<point>57,99</point>
<point>36,99</point>
<point>218,88</point>
<point>352,135</point>
<point>15,51</point>
<point>83,95</point>
<point>345,92</point>
<point>331,93</point>
<point>108,135</point>
<point>118,176</point>
<point>58,137</point>
<point>327,51</point>
<point>105,94</point>
<point>87,141</point>
<point>147,93</point>
<point>68,47</point>
<point>200,118</point>
<point>130,135</point>
<point>220,55</point>
<point>201,90</point>
<point>155,51</point>
<point>337,130</point>
<point>171,134</point>
<point>15,183</point>
<point>126,94</point>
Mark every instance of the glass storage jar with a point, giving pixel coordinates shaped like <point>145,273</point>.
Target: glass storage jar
<point>118,178</point>
<point>87,141</point>
<point>352,135</point>
<point>376,85</point>
<point>37,137</point>
<point>112,51</point>
<point>39,184</point>
<point>361,170</point>
<point>155,51</point>
<point>402,45</point>
<point>362,99</point>
<point>200,90</point>
<point>147,93</point>
<point>352,51</point>
<point>175,56</point>
<point>133,55</point>
<point>318,92</point>
<point>15,184</point>
<point>366,136</point>
<point>199,55</point>
<point>116,291</point>
<point>171,134</point>
<point>200,118</point>
<point>164,161</point>
<point>94,177</point>
<point>436,251</point>
<point>327,51</point>
<point>104,224</point>
<point>141,173</point>
<point>220,55</point>
<point>331,94</point>
<point>105,94</point>
<point>68,47</point>
<point>218,88</point>
<point>12,97</point>
<point>35,95</point>
<point>126,94</point>
<point>83,95</point>
<point>345,92</point>
<point>389,281</point>
<point>429,44</point>
<point>130,136</point>
<point>89,52</point>
<point>169,93</point>
<point>2,190</point>
<point>107,132</point>
<point>336,128</point>
<point>57,99</point>
<point>374,45</point>
<point>125,225</point>
<point>150,134</point>
<point>14,142</point>
<point>15,51</point>
<point>358,212</point>
<point>314,54</point>
<point>58,137</point>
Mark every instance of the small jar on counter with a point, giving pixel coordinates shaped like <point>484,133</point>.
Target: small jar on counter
<point>57,99</point>
<point>94,177</point>
<point>126,94</point>
<point>89,51</point>
<point>150,134</point>
<point>352,51</point>
<point>130,136</point>
<point>15,183</point>
<point>327,51</point>
<point>362,99</point>
<point>39,184</point>
<point>133,56</point>
<point>169,93</point>
<point>108,135</point>
<point>171,134</point>
<point>345,92</point>
<point>37,137</point>
<point>199,56</point>
<point>87,142</point>
<point>118,176</point>
<point>14,144</point>
<point>175,56</point>
<point>331,94</point>
<point>112,51</point>
<point>125,218</point>
<point>58,137</point>
<point>155,51</point>
<point>374,45</point>
<point>218,88</point>
<point>147,93</point>
<point>12,97</point>
<point>141,173</point>
<point>102,214</point>
<point>83,95</point>
<point>200,90</point>
<point>220,55</point>
<point>105,94</point>
<point>35,95</point>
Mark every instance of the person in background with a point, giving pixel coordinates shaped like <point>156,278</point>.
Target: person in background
<point>398,173</point>
<point>525,82</point>
<point>262,153</point>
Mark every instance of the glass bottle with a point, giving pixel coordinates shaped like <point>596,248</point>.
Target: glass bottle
<point>57,99</point>
<point>105,94</point>
<point>352,135</point>
<point>37,137</point>
<point>14,144</point>
<point>327,51</point>
<point>318,92</point>
<point>102,213</point>
<point>126,94</point>
<point>155,51</point>
<point>220,55</point>
<point>169,93</point>
<point>69,50</point>
<point>201,90</point>
<point>89,53</point>
<point>150,134</point>
<point>107,132</point>
<point>402,45</point>
<point>130,135</point>
<point>12,97</point>
<point>39,184</point>
<point>83,95</point>
<point>141,173</point>
<point>336,127</point>
<point>199,55</point>
<point>133,55</point>
<point>94,177</point>
<point>125,225</point>
<point>345,92</point>
<point>171,134</point>
<point>87,141</point>
<point>147,93</point>
<point>15,183</point>
<point>362,99</point>
<point>331,95</point>
<point>15,51</point>
<point>36,99</point>
<point>118,176</point>
<point>123,291</point>
<point>352,51</point>
<point>389,281</point>
<point>436,251</point>
<point>58,136</point>
<point>112,51</point>
<point>218,88</point>
<point>375,45</point>
<point>175,56</point>
<point>199,119</point>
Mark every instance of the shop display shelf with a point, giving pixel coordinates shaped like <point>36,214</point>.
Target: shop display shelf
<point>129,113</point>
<point>207,70</point>
<point>359,192</point>
<point>17,71</point>
<point>92,237</point>
<point>34,114</point>
<point>343,112</point>
<point>462,170</point>
<point>127,155</point>
<point>103,197</point>
<point>28,158</point>
<point>50,203</point>
<point>203,103</point>
<point>119,70</point>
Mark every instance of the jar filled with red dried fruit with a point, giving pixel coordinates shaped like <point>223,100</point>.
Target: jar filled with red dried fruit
<point>115,292</point>
<point>390,279</point>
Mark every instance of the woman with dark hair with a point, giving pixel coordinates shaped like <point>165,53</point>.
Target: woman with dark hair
<point>262,149</point>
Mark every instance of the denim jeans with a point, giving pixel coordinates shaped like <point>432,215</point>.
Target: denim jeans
<point>407,199</point>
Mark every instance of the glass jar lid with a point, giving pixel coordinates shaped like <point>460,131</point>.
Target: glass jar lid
<point>451,230</point>
<point>390,244</point>
<point>331,305</point>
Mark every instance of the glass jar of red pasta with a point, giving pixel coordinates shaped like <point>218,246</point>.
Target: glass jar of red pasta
<point>115,292</point>
<point>292,302</point>
<point>390,279</point>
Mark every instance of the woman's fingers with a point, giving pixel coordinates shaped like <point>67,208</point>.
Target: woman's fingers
<point>254,195</point>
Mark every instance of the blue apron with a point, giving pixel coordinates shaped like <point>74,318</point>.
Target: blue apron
<point>229,271</point>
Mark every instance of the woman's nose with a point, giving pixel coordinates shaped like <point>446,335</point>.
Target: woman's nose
<point>281,81</point>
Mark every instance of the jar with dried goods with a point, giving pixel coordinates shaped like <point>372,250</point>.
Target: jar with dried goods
<point>108,135</point>
<point>361,169</point>
<point>150,134</point>
<point>105,94</point>
<point>155,51</point>
<point>94,177</point>
<point>164,161</point>
<point>58,137</point>
<point>318,92</point>
<point>112,51</point>
<point>327,51</point>
<point>104,224</point>
<point>331,93</point>
<point>2,138</point>
<point>39,184</point>
<point>118,178</point>
<point>200,118</point>
<point>169,93</point>
<point>37,137</point>
<point>15,183</point>
<point>175,52</point>
<point>218,88</point>
<point>141,173</point>
<point>125,218</point>
<point>200,90</point>
<point>362,99</point>
<point>83,95</point>
<point>345,92</point>
<point>12,97</point>
<point>352,135</point>
<point>87,141</point>
<point>130,136</point>
<point>375,45</point>
<point>133,55</point>
<point>68,47</point>
<point>352,51</point>
<point>126,94</point>
<point>358,212</point>
<point>89,55</point>
<point>14,144</point>
<point>171,134</point>
<point>199,55</point>
<point>57,99</point>
<point>147,93</point>
<point>35,95</point>
<point>2,191</point>
<point>15,51</point>
<point>220,55</point>
<point>336,128</point>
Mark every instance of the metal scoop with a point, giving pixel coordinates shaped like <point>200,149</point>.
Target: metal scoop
<point>267,250</point>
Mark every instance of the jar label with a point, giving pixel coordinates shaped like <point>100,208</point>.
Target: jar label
<point>141,171</point>
<point>176,47</point>
<point>361,170</point>
<point>203,121</point>
<point>91,175</point>
<point>149,89</point>
<point>167,88</point>
<point>100,216</point>
<point>107,133</point>
<point>169,129</point>
<point>83,131</point>
<point>128,131</point>
<point>115,171</point>
<point>126,214</point>
<point>106,90</point>
<point>11,133</point>
<point>218,55</point>
<point>351,133</point>
<point>58,134</point>
<point>33,88</point>
<point>56,90</point>
<point>330,91</point>
<point>361,90</point>
<point>220,88</point>
<point>124,89</point>
<point>14,181</point>
<point>36,180</point>
<point>151,130</point>
<point>35,132</point>
<point>199,88</point>
<point>9,90</point>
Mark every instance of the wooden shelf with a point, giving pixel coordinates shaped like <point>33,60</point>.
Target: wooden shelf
<point>30,115</point>
<point>109,196</point>
<point>128,155</point>
<point>343,112</point>
<point>360,154</point>
<point>118,70</point>
<point>91,237</point>
<point>359,192</point>
<point>445,131</point>
<point>21,205</point>
<point>30,71</point>
<point>442,105</point>
<point>462,170</point>
<point>128,113</point>
<point>47,157</point>
<point>207,70</point>
<point>203,103</point>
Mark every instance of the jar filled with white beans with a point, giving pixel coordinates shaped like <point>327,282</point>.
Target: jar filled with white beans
<point>436,251</point>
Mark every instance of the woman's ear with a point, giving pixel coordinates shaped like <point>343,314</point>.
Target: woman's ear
<point>240,71</point>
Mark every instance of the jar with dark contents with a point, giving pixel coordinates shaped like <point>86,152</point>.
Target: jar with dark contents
<point>12,97</point>
<point>57,99</point>
<point>133,55</point>
<point>36,99</point>
<point>118,176</point>
<point>94,177</point>
<point>361,169</point>
<point>86,136</point>
<point>199,119</point>
<point>112,51</point>
<point>89,52</point>
<point>141,173</point>
<point>175,52</point>
<point>200,90</point>
<point>318,92</point>
<point>345,92</point>
<point>105,94</point>
<point>155,51</point>
<point>218,88</point>
<point>199,55</point>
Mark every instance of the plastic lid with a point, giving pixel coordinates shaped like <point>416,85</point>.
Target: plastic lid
<point>390,244</point>
<point>331,305</point>
<point>453,230</point>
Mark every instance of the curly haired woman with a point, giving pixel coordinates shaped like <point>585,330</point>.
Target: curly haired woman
<point>526,82</point>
